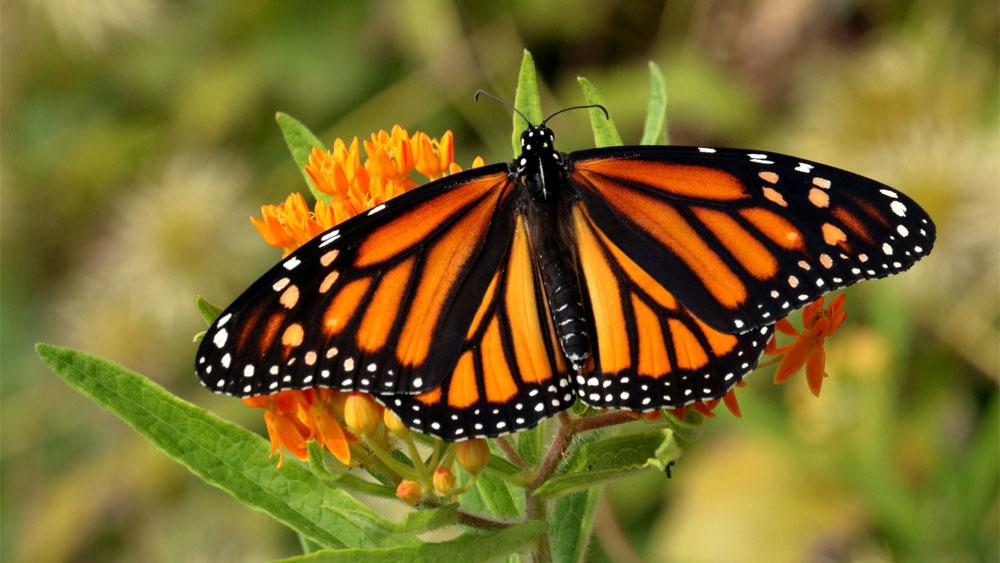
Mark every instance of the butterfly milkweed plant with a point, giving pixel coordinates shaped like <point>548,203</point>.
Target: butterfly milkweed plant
<point>328,453</point>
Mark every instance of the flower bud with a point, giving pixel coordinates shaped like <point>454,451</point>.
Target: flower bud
<point>472,455</point>
<point>361,414</point>
<point>409,492</point>
<point>395,424</point>
<point>444,481</point>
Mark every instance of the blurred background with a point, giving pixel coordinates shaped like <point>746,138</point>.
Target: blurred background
<point>138,136</point>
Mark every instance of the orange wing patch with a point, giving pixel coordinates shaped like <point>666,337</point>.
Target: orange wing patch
<point>522,308</point>
<point>605,299</point>
<point>380,314</point>
<point>343,306</point>
<point>653,361</point>
<point>462,391</point>
<point>499,381</point>
<point>747,250</point>
<point>690,354</point>
<point>677,179</point>
<point>403,233</point>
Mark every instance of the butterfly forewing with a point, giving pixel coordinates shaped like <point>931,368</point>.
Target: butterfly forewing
<point>379,303</point>
<point>743,238</point>
<point>651,351</point>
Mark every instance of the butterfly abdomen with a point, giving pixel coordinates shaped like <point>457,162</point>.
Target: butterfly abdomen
<point>562,287</point>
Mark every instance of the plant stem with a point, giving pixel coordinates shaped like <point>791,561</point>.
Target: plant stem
<point>471,520</point>
<point>557,448</point>
<point>602,420</point>
<point>610,534</point>
<point>510,452</point>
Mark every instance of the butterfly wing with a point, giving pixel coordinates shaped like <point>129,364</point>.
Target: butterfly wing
<point>510,374</point>
<point>650,351</point>
<point>742,238</point>
<point>379,303</point>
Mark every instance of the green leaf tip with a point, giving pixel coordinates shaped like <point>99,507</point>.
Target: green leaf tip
<point>208,311</point>
<point>654,131</point>
<point>605,132</point>
<point>300,141</point>
<point>526,99</point>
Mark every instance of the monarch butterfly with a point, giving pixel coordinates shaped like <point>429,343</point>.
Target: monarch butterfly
<point>633,277</point>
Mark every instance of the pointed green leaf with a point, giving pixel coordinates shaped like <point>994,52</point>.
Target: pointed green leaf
<point>224,454</point>
<point>655,132</point>
<point>208,311</point>
<point>470,547</point>
<point>571,523</point>
<point>605,133</point>
<point>526,99</point>
<point>300,141</point>
<point>609,459</point>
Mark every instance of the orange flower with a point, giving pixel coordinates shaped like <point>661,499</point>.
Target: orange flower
<point>354,185</point>
<point>295,417</point>
<point>807,347</point>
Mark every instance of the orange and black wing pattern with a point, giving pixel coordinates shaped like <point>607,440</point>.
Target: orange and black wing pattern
<point>510,373</point>
<point>381,303</point>
<point>650,352</point>
<point>742,238</point>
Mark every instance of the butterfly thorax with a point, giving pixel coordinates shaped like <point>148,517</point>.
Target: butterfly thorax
<point>540,166</point>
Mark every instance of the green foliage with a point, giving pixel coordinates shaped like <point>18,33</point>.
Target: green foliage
<point>654,131</point>
<point>605,132</point>
<point>301,141</point>
<point>611,458</point>
<point>222,453</point>
<point>471,547</point>
<point>526,100</point>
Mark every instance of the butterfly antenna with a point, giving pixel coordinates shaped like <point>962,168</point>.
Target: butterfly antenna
<point>502,102</point>
<point>598,106</point>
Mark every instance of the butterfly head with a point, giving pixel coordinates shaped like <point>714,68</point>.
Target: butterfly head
<point>537,143</point>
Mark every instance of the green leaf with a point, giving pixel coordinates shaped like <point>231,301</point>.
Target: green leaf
<point>224,454</point>
<point>571,523</point>
<point>655,132</point>
<point>471,547</point>
<point>421,521</point>
<point>605,133</point>
<point>208,311</point>
<point>497,496</point>
<point>300,141</point>
<point>609,459</point>
<point>529,444</point>
<point>526,99</point>
<point>688,430</point>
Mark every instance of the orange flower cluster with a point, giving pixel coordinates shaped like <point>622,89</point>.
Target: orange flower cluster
<point>807,347</point>
<point>295,417</point>
<point>354,186</point>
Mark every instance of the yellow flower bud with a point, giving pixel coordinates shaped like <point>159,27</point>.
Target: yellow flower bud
<point>361,414</point>
<point>409,491</point>
<point>395,424</point>
<point>444,481</point>
<point>472,455</point>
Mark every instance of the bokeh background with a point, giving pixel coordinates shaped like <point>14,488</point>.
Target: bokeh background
<point>138,136</point>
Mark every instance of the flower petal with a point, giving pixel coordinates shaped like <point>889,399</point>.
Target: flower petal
<point>814,369</point>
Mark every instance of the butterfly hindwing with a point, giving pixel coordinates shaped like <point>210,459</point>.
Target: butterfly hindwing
<point>742,238</point>
<point>378,303</point>
<point>650,352</point>
<point>510,374</point>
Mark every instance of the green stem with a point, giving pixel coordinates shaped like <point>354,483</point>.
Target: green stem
<point>394,464</point>
<point>510,452</point>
